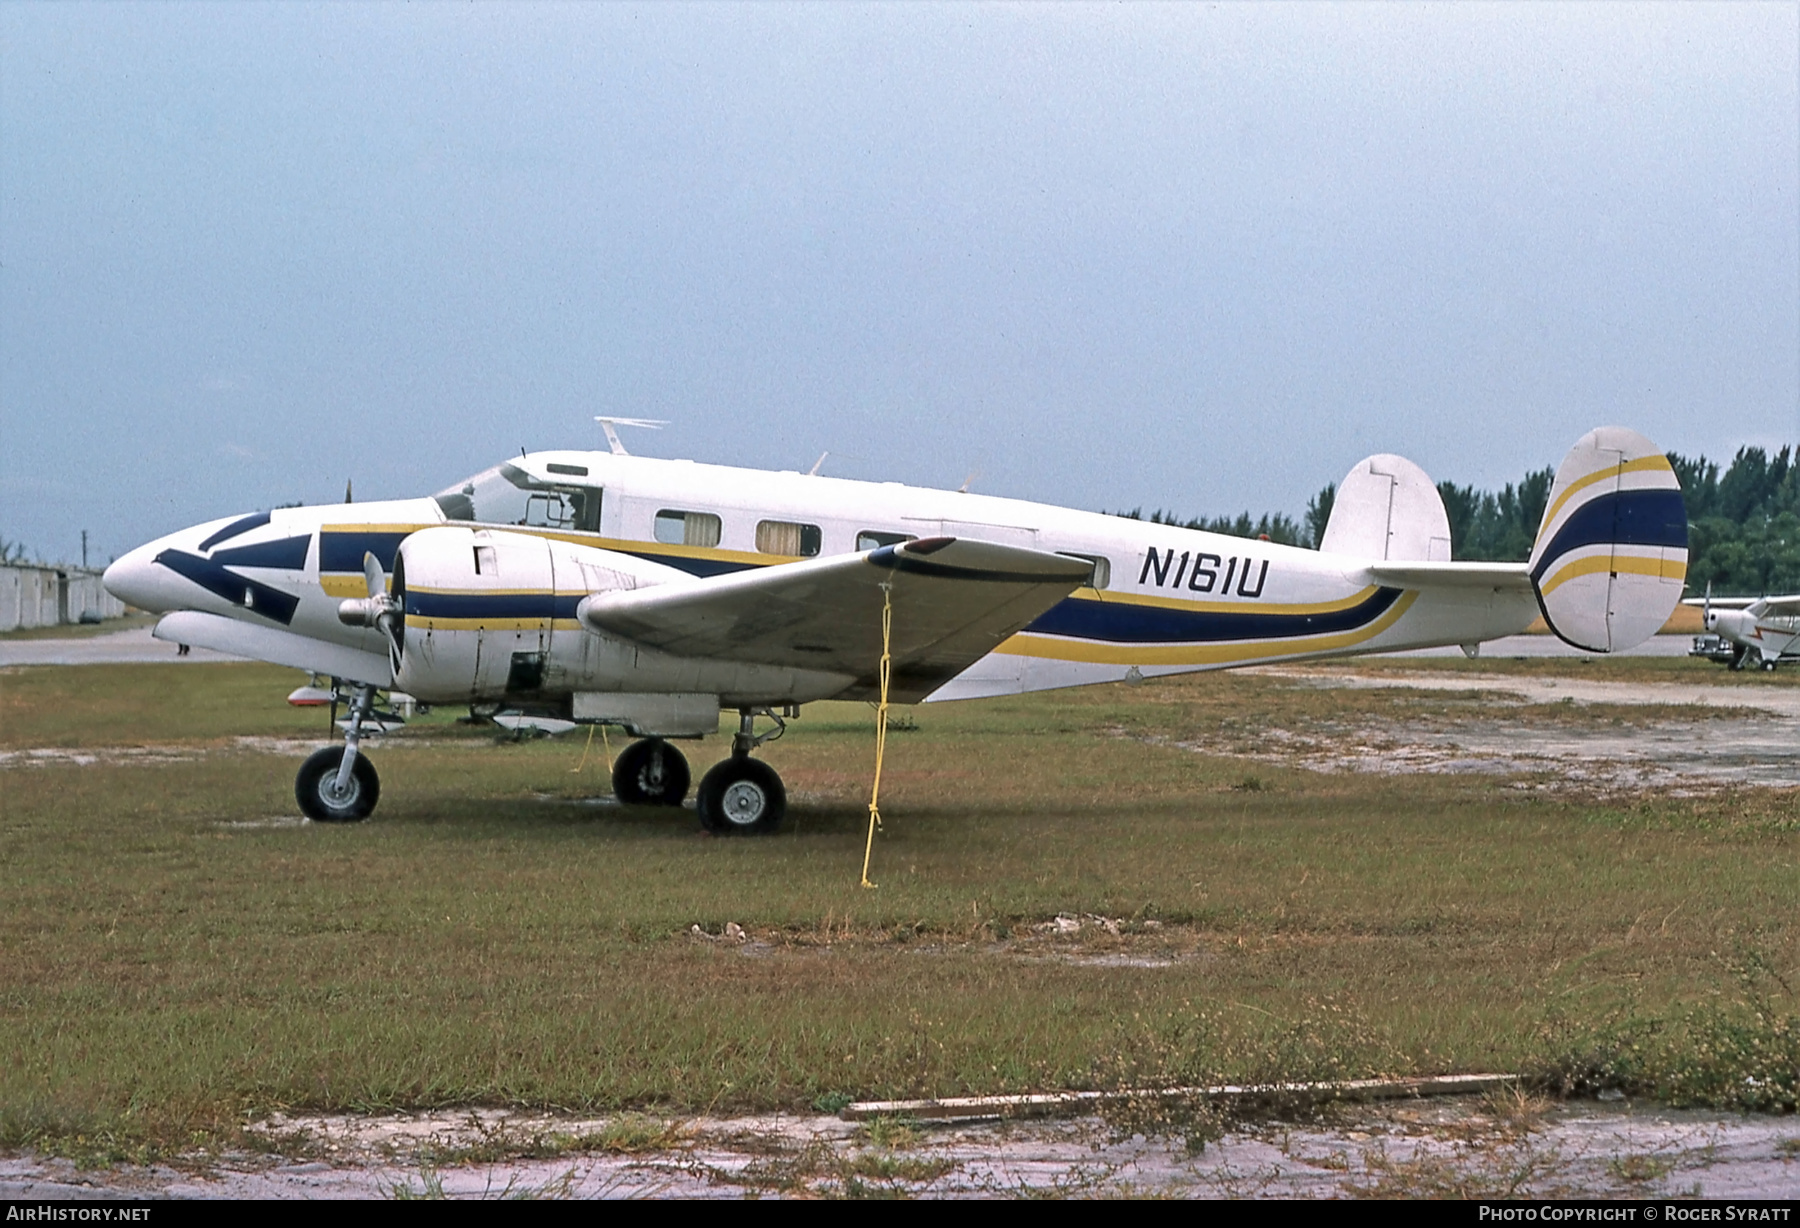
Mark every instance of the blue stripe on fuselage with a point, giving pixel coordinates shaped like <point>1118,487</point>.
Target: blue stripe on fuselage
<point>1122,623</point>
<point>341,551</point>
<point>702,568</point>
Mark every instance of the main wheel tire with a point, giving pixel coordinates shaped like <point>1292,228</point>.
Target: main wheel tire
<point>741,796</point>
<point>321,802</point>
<point>651,773</point>
<point>1768,666</point>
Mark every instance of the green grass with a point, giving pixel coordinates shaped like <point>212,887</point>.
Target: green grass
<point>491,938</point>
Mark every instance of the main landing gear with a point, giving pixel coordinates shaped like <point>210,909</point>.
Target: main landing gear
<point>740,796</point>
<point>650,773</point>
<point>341,786</point>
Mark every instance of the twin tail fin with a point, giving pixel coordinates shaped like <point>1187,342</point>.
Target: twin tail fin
<point>1611,555</point>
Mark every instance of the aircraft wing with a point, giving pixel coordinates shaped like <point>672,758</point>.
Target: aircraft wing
<point>1780,607</point>
<point>1723,603</point>
<point>1503,576</point>
<point>954,601</point>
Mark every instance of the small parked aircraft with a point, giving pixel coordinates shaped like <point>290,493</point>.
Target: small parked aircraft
<point>604,588</point>
<point>1752,631</point>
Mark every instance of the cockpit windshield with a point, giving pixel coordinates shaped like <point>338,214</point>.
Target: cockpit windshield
<point>506,494</point>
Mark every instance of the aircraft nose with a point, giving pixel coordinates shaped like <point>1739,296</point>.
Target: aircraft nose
<point>136,580</point>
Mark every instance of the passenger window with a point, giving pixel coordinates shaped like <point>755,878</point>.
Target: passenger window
<point>870,539</point>
<point>780,537</point>
<point>1101,576</point>
<point>687,528</point>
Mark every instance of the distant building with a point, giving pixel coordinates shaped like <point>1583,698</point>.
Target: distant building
<point>39,596</point>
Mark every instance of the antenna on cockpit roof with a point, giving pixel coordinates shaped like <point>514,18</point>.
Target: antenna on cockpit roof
<point>612,436</point>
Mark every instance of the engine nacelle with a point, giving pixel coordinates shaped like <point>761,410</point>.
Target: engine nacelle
<point>489,616</point>
<point>484,609</point>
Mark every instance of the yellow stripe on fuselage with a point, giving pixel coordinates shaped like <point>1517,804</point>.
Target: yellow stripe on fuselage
<point>1663,569</point>
<point>1100,652</point>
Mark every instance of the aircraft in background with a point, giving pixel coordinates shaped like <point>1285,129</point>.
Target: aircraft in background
<point>1748,631</point>
<point>650,594</point>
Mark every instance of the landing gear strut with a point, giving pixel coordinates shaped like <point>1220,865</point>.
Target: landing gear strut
<point>741,795</point>
<point>650,773</point>
<point>341,786</point>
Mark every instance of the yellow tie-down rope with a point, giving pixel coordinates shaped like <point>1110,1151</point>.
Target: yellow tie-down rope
<point>887,627</point>
<point>604,741</point>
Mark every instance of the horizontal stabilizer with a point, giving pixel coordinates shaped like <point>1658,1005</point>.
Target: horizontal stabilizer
<point>1610,558</point>
<point>1504,577</point>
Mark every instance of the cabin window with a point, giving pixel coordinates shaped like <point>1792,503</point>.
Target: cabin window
<point>781,537</point>
<point>873,539</point>
<point>1101,576</point>
<point>486,564</point>
<point>675,528</point>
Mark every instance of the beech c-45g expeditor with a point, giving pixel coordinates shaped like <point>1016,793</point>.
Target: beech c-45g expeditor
<point>652,595</point>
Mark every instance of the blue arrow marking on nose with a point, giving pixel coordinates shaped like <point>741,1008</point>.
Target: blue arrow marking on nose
<point>271,603</point>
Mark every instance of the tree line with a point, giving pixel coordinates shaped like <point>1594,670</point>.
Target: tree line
<point>1743,523</point>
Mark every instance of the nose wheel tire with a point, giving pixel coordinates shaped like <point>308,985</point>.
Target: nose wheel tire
<point>650,773</point>
<point>741,796</point>
<point>315,788</point>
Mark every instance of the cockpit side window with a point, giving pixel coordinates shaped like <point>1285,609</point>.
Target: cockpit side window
<point>507,494</point>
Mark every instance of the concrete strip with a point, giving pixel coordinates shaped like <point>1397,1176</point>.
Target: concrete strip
<point>1070,1104</point>
<point>132,647</point>
<point>1724,690</point>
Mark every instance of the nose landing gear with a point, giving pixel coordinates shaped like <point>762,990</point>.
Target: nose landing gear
<point>341,786</point>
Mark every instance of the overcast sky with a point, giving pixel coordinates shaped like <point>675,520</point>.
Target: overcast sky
<point>1201,258</point>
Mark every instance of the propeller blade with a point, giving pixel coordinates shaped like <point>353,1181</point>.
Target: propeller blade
<point>373,575</point>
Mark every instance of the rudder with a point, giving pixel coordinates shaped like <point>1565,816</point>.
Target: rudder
<point>1610,557</point>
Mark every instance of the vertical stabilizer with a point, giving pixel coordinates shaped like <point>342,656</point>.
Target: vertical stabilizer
<point>1387,509</point>
<point>1611,555</point>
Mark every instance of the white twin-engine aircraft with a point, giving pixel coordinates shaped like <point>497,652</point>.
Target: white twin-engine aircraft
<point>651,594</point>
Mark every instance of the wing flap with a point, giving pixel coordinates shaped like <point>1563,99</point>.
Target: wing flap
<point>954,601</point>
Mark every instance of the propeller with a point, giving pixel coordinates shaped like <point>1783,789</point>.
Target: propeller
<point>378,609</point>
<point>1706,609</point>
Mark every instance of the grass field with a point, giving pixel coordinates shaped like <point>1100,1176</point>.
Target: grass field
<point>180,954</point>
